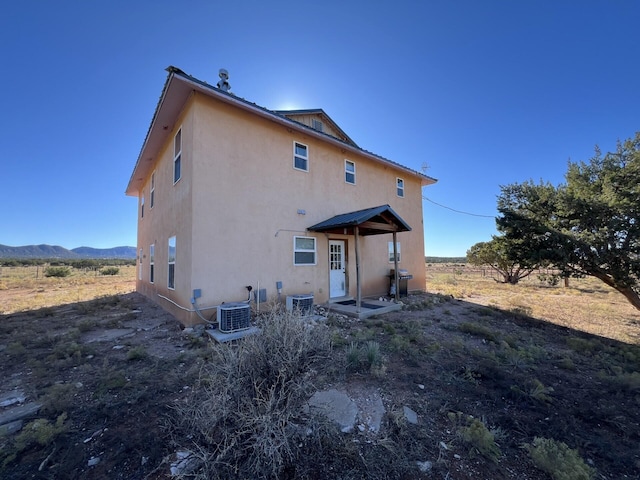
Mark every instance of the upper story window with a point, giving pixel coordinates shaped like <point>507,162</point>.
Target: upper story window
<point>400,187</point>
<point>142,206</point>
<point>153,190</point>
<point>300,156</point>
<point>350,172</point>
<point>177,156</point>
<point>304,251</point>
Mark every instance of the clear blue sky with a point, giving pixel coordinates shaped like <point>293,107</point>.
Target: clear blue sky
<point>485,93</point>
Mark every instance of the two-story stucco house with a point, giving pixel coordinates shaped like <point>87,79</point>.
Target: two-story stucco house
<point>232,195</point>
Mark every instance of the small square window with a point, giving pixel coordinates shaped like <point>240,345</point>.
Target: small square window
<point>400,187</point>
<point>304,251</point>
<point>300,157</point>
<point>350,172</point>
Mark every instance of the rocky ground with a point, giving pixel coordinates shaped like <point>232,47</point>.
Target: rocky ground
<point>98,383</point>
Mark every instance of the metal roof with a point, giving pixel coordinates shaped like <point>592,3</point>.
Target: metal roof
<point>370,221</point>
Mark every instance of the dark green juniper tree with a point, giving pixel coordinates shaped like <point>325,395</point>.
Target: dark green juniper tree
<point>496,254</point>
<point>589,225</point>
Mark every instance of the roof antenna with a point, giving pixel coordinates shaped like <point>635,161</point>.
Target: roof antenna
<point>223,84</point>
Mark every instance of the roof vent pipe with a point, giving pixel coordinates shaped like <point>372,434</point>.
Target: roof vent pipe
<point>223,84</point>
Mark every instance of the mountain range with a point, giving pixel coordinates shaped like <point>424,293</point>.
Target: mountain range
<point>55,251</point>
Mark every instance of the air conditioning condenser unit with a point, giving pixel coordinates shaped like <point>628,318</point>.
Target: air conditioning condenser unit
<point>233,317</point>
<point>302,303</point>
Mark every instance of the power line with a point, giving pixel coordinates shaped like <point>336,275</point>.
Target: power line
<point>458,211</point>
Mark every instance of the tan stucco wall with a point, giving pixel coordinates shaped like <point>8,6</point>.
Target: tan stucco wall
<point>170,216</point>
<point>235,212</point>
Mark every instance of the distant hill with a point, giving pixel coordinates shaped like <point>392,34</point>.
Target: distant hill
<point>115,252</point>
<point>55,251</point>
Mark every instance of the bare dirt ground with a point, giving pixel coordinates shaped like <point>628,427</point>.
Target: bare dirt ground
<point>108,372</point>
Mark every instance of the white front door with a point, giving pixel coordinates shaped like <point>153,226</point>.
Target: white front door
<point>337,277</point>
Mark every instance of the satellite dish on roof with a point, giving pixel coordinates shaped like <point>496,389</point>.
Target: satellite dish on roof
<point>223,83</point>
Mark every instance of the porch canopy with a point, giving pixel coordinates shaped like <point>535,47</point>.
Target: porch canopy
<point>370,221</point>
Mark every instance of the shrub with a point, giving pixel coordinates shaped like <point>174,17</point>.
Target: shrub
<point>474,432</point>
<point>558,460</point>
<point>41,432</point>
<point>57,272</point>
<point>478,330</point>
<point>110,271</point>
<point>372,353</point>
<point>353,356</point>
<point>137,353</point>
<point>243,414</point>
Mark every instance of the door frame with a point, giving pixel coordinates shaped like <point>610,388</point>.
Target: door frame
<point>345,257</point>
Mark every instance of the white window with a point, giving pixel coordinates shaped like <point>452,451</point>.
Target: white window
<point>177,156</point>
<point>400,187</point>
<point>300,156</point>
<point>350,172</point>
<point>171,278</point>
<point>142,206</point>
<point>140,264</point>
<point>152,251</point>
<point>391,251</point>
<point>304,251</point>
<point>153,190</point>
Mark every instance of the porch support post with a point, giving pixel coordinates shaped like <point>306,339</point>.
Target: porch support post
<point>358,286</point>
<point>395,265</point>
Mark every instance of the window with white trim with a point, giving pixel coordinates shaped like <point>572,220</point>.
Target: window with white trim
<point>400,187</point>
<point>390,257</point>
<point>152,195</point>
<point>177,156</point>
<point>350,172</point>
<point>304,251</point>
<point>171,276</point>
<point>140,264</point>
<point>300,156</point>
<point>152,262</point>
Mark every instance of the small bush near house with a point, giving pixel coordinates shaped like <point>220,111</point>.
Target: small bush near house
<point>110,271</point>
<point>243,416</point>
<point>57,272</point>
<point>558,460</point>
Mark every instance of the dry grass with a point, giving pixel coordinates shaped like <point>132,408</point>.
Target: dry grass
<point>26,288</point>
<point>587,304</point>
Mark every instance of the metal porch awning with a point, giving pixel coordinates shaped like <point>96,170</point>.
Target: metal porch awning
<point>370,221</point>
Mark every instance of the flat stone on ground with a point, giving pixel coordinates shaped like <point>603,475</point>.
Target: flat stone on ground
<point>18,413</point>
<point>410,415</point>
<point>336,406</point>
